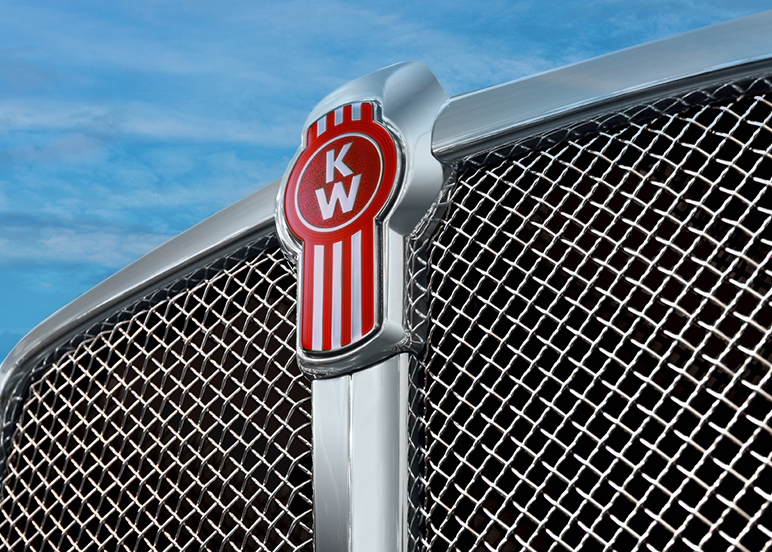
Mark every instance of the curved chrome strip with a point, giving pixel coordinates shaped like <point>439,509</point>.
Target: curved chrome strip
<point>492,116</point>
<point>233,223</point>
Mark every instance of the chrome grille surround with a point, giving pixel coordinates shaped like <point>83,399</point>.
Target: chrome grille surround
<point>494,126</point>
<point>180,423</point>
<point>598,374</point>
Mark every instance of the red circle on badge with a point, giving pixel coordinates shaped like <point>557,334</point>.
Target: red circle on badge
<point>339,182</point>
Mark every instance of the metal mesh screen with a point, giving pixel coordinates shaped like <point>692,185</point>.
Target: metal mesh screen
<point>183,426</point>
<point>598,375</point>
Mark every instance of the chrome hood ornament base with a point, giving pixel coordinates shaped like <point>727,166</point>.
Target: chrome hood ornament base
<point>358,188</point>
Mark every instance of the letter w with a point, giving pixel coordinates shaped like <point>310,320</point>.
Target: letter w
<point>338,194</point>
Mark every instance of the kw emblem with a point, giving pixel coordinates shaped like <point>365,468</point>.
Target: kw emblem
<point>338,193</point>
<point>335,192</point>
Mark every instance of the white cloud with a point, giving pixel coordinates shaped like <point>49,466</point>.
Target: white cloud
<point>72,145</point>
<point>106,246</point>
<point>98,246</point>
<point>137,119</point>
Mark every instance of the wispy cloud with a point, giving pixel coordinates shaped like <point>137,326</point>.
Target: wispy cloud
<point>142,120</point>
<point>49,239</point>
<point>167,187</point>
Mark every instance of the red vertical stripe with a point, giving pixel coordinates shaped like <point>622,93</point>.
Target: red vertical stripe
<point>311,135</point>
<point>368,278</point>
<point>327,320</point>
<point>307,305</point>
<point>346,272</point>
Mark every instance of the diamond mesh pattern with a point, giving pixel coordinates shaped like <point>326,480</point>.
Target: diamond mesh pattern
<point>184,426</point>
<point>598,375</point>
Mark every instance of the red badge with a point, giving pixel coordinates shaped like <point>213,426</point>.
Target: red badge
<point>336,190</point>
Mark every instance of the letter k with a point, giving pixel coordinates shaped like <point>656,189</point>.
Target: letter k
<point>337,163</point>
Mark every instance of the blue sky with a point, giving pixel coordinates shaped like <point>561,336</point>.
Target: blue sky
<point>124,123</point>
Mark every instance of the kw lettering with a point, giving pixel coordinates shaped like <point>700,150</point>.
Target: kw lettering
<point>338,191</point>
<point>338,194</point>
<point>337,163</point>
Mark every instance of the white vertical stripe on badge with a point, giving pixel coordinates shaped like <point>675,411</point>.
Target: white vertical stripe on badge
<point>356,286</point>
<point>356,112</point>
<point>318,325</point>
<point>337,294</point>
<point>321,126</point>
<point>338,116</point>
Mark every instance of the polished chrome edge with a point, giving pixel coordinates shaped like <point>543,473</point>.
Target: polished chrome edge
<point>490,117</point>
<point>360,459</point>
<point>409,96</point>
<point>232,224</point>
<point>379,457</point>
<point>331,426</point>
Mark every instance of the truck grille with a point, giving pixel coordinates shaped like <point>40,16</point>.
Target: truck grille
<point>598,375</point>
<point>183,424</point>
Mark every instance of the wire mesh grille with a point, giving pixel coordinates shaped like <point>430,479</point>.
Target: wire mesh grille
<point>598,375</point>
<point>184,426</point>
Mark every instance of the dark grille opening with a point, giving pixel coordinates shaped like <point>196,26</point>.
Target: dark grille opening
<point>598,374</point>
<point>184,426</point>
